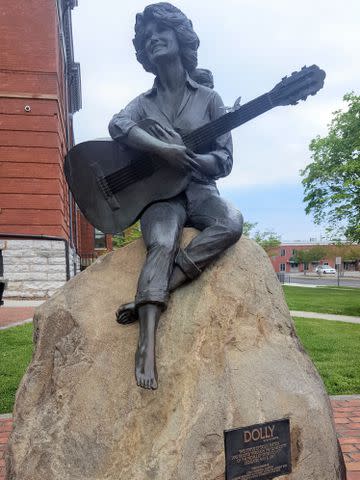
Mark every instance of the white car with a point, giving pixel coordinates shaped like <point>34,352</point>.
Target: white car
<point>325,269</point>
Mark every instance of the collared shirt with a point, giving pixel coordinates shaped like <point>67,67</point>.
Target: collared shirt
<point>200,105</point>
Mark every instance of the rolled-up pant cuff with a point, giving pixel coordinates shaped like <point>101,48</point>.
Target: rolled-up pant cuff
<point>158,297</point>
<point>190,269</point>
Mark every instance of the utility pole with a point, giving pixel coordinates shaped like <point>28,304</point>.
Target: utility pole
<point>338,266</point>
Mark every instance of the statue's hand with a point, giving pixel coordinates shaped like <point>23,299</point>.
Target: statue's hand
<point>177,156</point>
<point>164,134</point>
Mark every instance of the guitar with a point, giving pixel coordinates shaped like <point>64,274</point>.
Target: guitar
<point>113,184</point>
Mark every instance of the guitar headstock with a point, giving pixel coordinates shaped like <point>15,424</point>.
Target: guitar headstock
<point>298,86</point>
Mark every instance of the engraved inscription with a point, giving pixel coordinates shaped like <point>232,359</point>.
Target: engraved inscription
<point>258,452</point>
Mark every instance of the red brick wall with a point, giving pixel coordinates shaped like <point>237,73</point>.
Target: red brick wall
<point>277,259</point>
<point>33,191</point>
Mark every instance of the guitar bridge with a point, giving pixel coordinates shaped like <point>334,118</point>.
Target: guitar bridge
<point>104,187</point>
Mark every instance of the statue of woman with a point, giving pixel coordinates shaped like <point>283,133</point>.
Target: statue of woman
<point>166,45</point>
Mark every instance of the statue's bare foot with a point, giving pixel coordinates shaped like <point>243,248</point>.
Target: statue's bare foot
<point>126,314</point>
<point>145,368</point>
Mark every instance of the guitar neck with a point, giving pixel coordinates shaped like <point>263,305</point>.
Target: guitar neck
<point>209,132</point>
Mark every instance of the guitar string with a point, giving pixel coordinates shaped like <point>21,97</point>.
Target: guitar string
<point>245,108</point>
<point>224,125</point>
<point>202,135</point>
<point>119,177</point>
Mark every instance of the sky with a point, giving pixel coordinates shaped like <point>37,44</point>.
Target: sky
<point>249,45</point>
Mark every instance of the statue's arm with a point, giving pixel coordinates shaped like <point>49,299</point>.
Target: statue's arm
<point>218,162</point>
<point>124,128</point>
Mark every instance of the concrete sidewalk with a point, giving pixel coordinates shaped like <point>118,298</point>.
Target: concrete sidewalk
<point>325,316</point>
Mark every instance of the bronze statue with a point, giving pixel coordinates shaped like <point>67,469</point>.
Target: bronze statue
<point>166,45</point>
<point>169,146</point>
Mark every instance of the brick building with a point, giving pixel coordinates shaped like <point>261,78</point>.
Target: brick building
<point>42,231</point>
<point>283,260</point>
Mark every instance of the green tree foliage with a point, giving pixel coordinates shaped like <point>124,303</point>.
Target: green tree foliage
<point>332,181</point>
<point>268,239</point>
<point>313,254</point>
<point>347,252</point>
<point>129,235</point>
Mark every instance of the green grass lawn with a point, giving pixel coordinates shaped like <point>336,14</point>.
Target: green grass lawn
<point>336,300</point>
<point>334,348</point>
<point>15,354</point>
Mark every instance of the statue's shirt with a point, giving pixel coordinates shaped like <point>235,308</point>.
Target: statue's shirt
<point>200,105</point>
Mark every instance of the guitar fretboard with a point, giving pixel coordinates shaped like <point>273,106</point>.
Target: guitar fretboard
<point>209,132</point>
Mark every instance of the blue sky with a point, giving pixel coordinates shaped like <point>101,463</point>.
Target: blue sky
<point>249,45</point>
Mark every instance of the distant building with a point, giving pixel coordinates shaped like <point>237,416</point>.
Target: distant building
<point>42,232</point>
<point>283,258</point>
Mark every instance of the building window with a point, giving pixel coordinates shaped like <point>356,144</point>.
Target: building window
<point>100,241</point>
<point>282,267</point>
<point>282,252</point>
<point>294,252</point>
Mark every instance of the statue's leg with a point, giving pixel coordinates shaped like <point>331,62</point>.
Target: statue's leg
<point>161,226</point>
<point>220,224</point>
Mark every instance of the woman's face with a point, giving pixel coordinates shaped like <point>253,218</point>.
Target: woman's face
<point>160,42</point>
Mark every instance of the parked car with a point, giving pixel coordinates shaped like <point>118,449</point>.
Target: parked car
<point>325,269</point>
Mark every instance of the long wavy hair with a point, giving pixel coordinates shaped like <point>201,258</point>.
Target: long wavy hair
<point>171,17</point>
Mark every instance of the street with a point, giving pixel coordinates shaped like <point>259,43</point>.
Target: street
<point>324,280</point>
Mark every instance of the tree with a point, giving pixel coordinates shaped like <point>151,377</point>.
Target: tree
<point>268,240</point>
<point>348,253</point>
<point>332,181</point>
<point>313,254</point>
<point>129,235</point>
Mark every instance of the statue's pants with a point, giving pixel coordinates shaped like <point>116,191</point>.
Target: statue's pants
<point>199,206</point>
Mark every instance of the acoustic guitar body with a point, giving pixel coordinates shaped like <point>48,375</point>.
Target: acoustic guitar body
<point>113,184</point>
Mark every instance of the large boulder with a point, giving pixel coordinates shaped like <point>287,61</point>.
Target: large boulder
<point>228,356</point>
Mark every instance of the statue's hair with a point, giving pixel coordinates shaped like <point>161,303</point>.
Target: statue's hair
<point>203,76</point>
<point>170,16</point>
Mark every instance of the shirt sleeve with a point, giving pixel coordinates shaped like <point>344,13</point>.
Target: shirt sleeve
<point>122,122</point>
<point>223,148</point>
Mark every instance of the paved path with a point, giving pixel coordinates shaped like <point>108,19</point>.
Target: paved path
<point>11,316</point>
<point>347,419</point>
<point>325,316</point>
<point>17,312</point>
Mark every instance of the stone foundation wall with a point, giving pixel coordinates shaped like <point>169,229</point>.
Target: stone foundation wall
<point>35,268</point>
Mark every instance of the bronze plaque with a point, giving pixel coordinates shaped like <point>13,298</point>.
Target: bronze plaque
<point>260,451</point>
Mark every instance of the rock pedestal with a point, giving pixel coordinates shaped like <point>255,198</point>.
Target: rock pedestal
<point>228,357</point>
